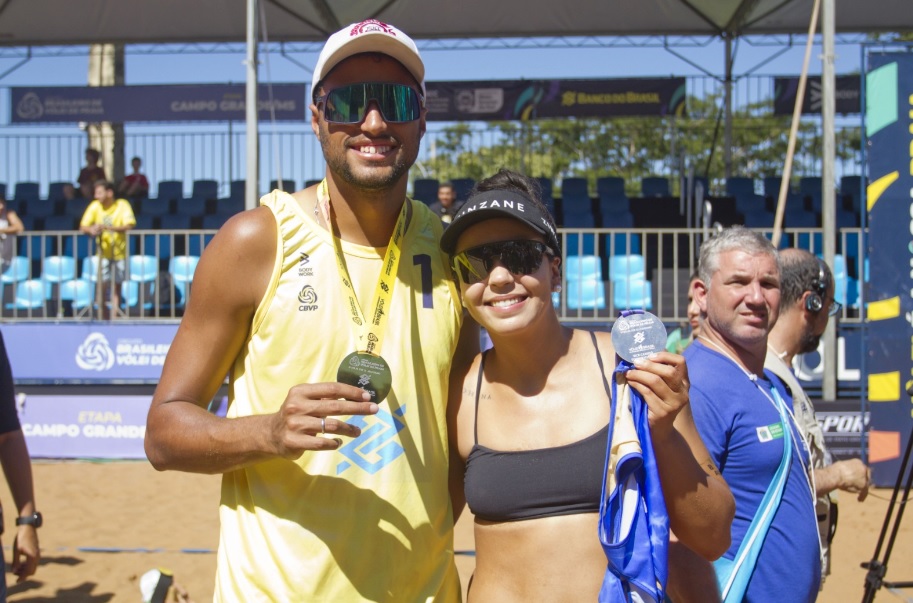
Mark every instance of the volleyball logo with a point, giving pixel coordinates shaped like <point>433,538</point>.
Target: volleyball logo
<point>95,354</point>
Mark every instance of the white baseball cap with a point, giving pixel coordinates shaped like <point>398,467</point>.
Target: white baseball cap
<point>369,36</point>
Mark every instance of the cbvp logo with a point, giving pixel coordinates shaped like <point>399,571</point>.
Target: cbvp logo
<point>30,107</point>
<point>95,354</point>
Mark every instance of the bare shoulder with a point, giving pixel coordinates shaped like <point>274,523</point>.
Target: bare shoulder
<point>239,260</point>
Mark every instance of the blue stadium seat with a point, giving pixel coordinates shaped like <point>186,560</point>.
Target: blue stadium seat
<point>581,267</point>
<point>312,182</point>
<point>78,246</point>
<point>158,245</point>
<point>143,271</point>
<point>35,246</point>
<point>157,206</point>
<point>40,208</point>
<point>196,242</point>
<point>170,190</point>
<point>796,217</point>
<point>58,268</point>
<point>182,268</point>
<point>17,271</point>
<point>145,222</point>
<point>851,191</point>
<point>757,218</point>
<point>175,222</point>
<point>626,266</point>
<point>810,187</point>
<point>610,186</point>
<point>288,185</point>
<point>632,293</point>
<point>654,186</point>
<point>425,190</point>
<point>55,191</point>
<point>76,207</point>
<point>586,294</point>
<point>191,206</point>
<point>205,189</point>
<point>77,296</point>
<point>462,187</point>
<point>26,191</point>
<point>61,223</point>
<point>737,186</point>
<point>30,298</point>
<point>580,244</point>
<point>229,206</point>
<point>236,189</point>
<point>89,269</point>
<point>617,219</point>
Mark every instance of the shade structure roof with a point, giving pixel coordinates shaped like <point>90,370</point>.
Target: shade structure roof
<point>62,22</point>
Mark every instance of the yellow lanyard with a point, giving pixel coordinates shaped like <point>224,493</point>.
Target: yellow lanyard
<point>371,331</point>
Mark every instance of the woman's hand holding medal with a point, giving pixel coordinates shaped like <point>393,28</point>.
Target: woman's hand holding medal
<point>308,412</point>
<point>662,380</point>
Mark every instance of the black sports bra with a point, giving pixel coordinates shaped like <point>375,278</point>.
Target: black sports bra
<point>527,484</point>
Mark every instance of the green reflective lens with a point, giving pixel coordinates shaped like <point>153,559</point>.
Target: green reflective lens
<point>398,103</point>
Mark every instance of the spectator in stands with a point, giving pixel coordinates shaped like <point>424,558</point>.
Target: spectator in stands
<point>10,226</point>
<point>534,487</point>
<point>134,185</point>
<point>446,205</point>
<point>304,514</point>
<point>108,219</point>
<point>744,415</point>
<point>17,467</point>
<point>90,174</point>
<point>806,304</point>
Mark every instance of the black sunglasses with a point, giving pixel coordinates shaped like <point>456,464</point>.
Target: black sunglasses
<point>398,103</point>
<point>520,257</point>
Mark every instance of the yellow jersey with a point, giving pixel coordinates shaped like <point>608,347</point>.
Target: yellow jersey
<point>371,521</point>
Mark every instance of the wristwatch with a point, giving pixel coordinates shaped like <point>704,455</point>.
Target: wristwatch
<point>30,520</point>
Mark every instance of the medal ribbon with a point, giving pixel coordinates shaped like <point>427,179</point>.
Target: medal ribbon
<point>371,333</point>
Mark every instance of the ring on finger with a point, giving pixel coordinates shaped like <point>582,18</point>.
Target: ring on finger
<point>323,425</point>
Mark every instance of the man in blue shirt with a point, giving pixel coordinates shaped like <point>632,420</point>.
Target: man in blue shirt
<point>743,414</point>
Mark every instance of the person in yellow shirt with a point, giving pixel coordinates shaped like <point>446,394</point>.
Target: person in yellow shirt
<point>108,219</point>
<point>333,311</point>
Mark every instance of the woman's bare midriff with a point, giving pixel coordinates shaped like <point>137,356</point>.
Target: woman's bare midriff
<point>554,559</point>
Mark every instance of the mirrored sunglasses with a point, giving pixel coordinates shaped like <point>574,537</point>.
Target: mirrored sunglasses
<point>520,257</point>
<point>398,103</point>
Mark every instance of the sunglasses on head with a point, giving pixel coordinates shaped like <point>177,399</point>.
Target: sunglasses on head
<point>520,257</point>
<point>398,103</point>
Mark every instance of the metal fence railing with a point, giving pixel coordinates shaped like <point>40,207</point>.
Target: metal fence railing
<point>55,275</point>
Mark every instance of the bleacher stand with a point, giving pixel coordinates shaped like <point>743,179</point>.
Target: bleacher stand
<point>654,186</point>
<point>425,190</point>
<point>287,185</point>
<point>461,187</point>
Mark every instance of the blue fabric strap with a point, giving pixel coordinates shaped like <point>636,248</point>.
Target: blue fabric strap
<point>633,522</point>
<point>733,575</point>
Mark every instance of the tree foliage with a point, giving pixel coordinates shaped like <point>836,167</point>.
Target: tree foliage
<point>635,147</point>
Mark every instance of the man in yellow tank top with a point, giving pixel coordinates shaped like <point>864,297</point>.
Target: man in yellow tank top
<point>334,314</point>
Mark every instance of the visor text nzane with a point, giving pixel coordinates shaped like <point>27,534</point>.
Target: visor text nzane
<point>519,206</point>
